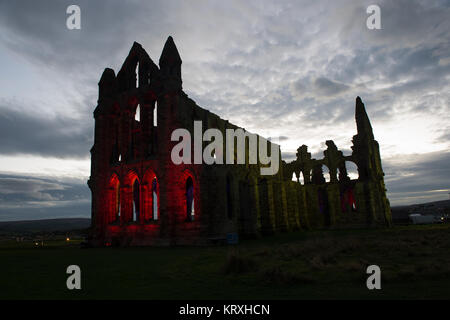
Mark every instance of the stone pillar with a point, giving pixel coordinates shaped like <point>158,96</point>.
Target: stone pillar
<point>302,206</point>
<point>266,207</point>
<point>280,210</point>
<point>291,205</point>
<point>333,202</point>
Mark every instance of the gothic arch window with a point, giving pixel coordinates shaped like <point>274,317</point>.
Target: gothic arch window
<point>155,114</point>
<point>131,198</point>
<point>190,211</point>
<point>326,173</point>
<point>117,203</point>
<point>136,71</point>
<point>155,204</point>
<point>348,200</point>
<point>294,177</point>
<point>137,115</point>
<point>352,170</point>
<point>301,179</point>
<point>150,197</point>
<point>115,155</point>
<point>136,199</point>
<point>114,200</point>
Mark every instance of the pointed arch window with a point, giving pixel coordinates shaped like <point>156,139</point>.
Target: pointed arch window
<point>137,74</point>
<point>136,200</point>
<point>114,200</point>
<point>155,114</point>
<point>326,173</point>
<point>294,177</point>
<point>137,115</point>
<point>301,179</point>
<point>190,211</point>
<point>155,199</point>
<point>352,170</point>
<point>117,203</point>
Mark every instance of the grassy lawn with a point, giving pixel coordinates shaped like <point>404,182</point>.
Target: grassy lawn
<point>328,264</point>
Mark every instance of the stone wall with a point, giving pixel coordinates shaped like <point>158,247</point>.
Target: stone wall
<point>140,197</point>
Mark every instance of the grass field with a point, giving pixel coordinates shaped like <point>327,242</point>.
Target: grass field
<point>328,264</point>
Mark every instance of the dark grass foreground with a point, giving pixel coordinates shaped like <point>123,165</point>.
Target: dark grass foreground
<point>414,260</point>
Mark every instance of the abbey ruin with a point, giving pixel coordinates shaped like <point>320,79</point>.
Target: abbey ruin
<point>140,197</point>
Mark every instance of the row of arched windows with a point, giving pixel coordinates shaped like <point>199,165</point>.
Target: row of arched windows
<point>351,168</point>
<point>138,203</point>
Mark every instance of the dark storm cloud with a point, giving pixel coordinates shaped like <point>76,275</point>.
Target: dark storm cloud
<point>328,87</point>
<point>30,133</point>
<point>71,209</point>
<point>25,197</point>
<point>38,31</point>
<point>27,189</point>
<point>425,176</point>
<point>320,88</point>
<point>446,136</point>
<point>288,156</point>
<point>411,23</point>
<point>432,170</point>
<point>267,49</point>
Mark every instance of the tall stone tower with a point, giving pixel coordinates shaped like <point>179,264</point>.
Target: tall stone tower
<point>366,154</point>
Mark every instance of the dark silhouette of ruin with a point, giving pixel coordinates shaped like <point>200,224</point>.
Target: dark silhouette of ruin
<point>140,197</point>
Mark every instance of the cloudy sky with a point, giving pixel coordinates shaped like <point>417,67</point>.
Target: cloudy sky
<point>277,68</point>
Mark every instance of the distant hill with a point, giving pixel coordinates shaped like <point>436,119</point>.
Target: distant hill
<point>400,214</point>
<point>48,225</point>
<point>441,203</point>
